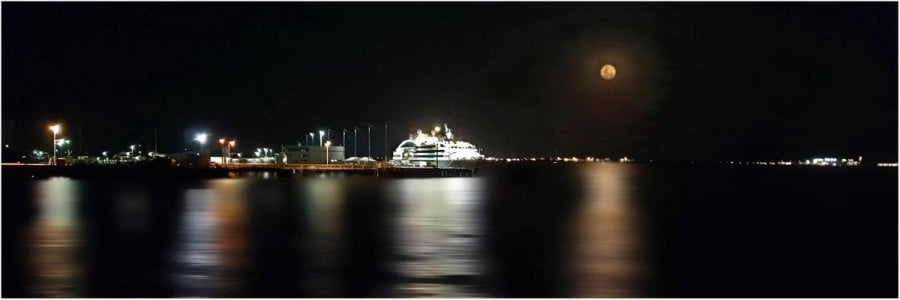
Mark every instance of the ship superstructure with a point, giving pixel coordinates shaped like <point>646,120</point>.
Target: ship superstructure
<point>438,150</point>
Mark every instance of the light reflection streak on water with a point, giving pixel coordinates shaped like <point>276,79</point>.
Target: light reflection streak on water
<point>607,258</point>
<point>326,199</point>
<point>438,235</point>
<point>54,239</point>
<point>196,269</point>
<point>230,218</point>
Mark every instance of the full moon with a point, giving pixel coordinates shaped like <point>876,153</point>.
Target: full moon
<point>608,72</point>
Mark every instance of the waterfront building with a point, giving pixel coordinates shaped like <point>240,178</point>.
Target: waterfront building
<point>311,154</point>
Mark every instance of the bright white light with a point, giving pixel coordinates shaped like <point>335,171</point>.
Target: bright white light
<point>55,128</point>
<point>201,138</point>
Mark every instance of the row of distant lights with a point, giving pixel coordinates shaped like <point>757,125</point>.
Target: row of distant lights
<point>558,159</point>
<point>824,162</point>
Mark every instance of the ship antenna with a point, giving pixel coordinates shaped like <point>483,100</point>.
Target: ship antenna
<point>449,133</point>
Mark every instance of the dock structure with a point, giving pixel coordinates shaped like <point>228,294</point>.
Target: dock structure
<point>379,169</point>
<point>225,170</point>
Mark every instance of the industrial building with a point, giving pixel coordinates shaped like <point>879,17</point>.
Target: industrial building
<point>312,154</point>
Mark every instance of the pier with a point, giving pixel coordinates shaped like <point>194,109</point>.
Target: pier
<point>227,170</point>
<point>377,169</point>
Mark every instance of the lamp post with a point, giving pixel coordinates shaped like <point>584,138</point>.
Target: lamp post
<point>132,150</point>
<point>355,153</point>
<point>56,129</point>
<point>222,147</point>
<point>344,138</point>
<point>201,138</point>
<point>327,146</point>
<point>231,145</point>
<point>385,141</point>
<point>370,139</point>
<point>62,143</point>
<point>312,139</point>
<point>437,132</point>
<point>321,134</point>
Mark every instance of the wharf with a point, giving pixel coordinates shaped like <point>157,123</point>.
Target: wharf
<point>376,169</point>
<point>223,170</point>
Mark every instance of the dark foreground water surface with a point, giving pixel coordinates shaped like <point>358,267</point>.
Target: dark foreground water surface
<point>571,230</point>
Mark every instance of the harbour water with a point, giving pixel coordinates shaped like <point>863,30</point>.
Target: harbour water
<point>552,230</point>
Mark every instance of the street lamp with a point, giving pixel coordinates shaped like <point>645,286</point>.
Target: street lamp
<point>222,147</point>
<point>312,139</point>
<point>327,145</point>
<point>62,143</point>
<point>370,140</point>
<point>132,150</point>
<point>201,138</point>
<point>355,153</point>
<point>230,145</point>
<point>321,134</point>
<point>385,141</point>
<point>56,129</point>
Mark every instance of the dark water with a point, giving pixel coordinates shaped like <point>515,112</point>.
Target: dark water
<point>589,230</point>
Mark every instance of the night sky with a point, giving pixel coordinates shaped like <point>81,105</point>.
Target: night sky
<point>697,81</point>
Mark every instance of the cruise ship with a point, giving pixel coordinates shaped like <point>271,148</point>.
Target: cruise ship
<point>437,150</point>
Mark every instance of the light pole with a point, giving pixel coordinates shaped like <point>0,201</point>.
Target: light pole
<point>62,143</point>
<point>56,129</point>
<point>321,134</point>
<point>355,153</point>
<point>385,141</point>
<point>230,145</point>
<point>327,145</point>
<point>312,139</point>
<point>437,131</point>
<point>370,139</point>
<point>344,138</point>
<point>201,138</point>
<point>222,147</point>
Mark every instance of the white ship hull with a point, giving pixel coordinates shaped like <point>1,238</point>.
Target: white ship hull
<point>470,164</point>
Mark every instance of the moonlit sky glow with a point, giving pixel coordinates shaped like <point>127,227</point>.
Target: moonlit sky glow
<point>695,81</point>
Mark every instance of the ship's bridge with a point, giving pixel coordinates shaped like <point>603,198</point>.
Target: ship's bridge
<point>407,143</point>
